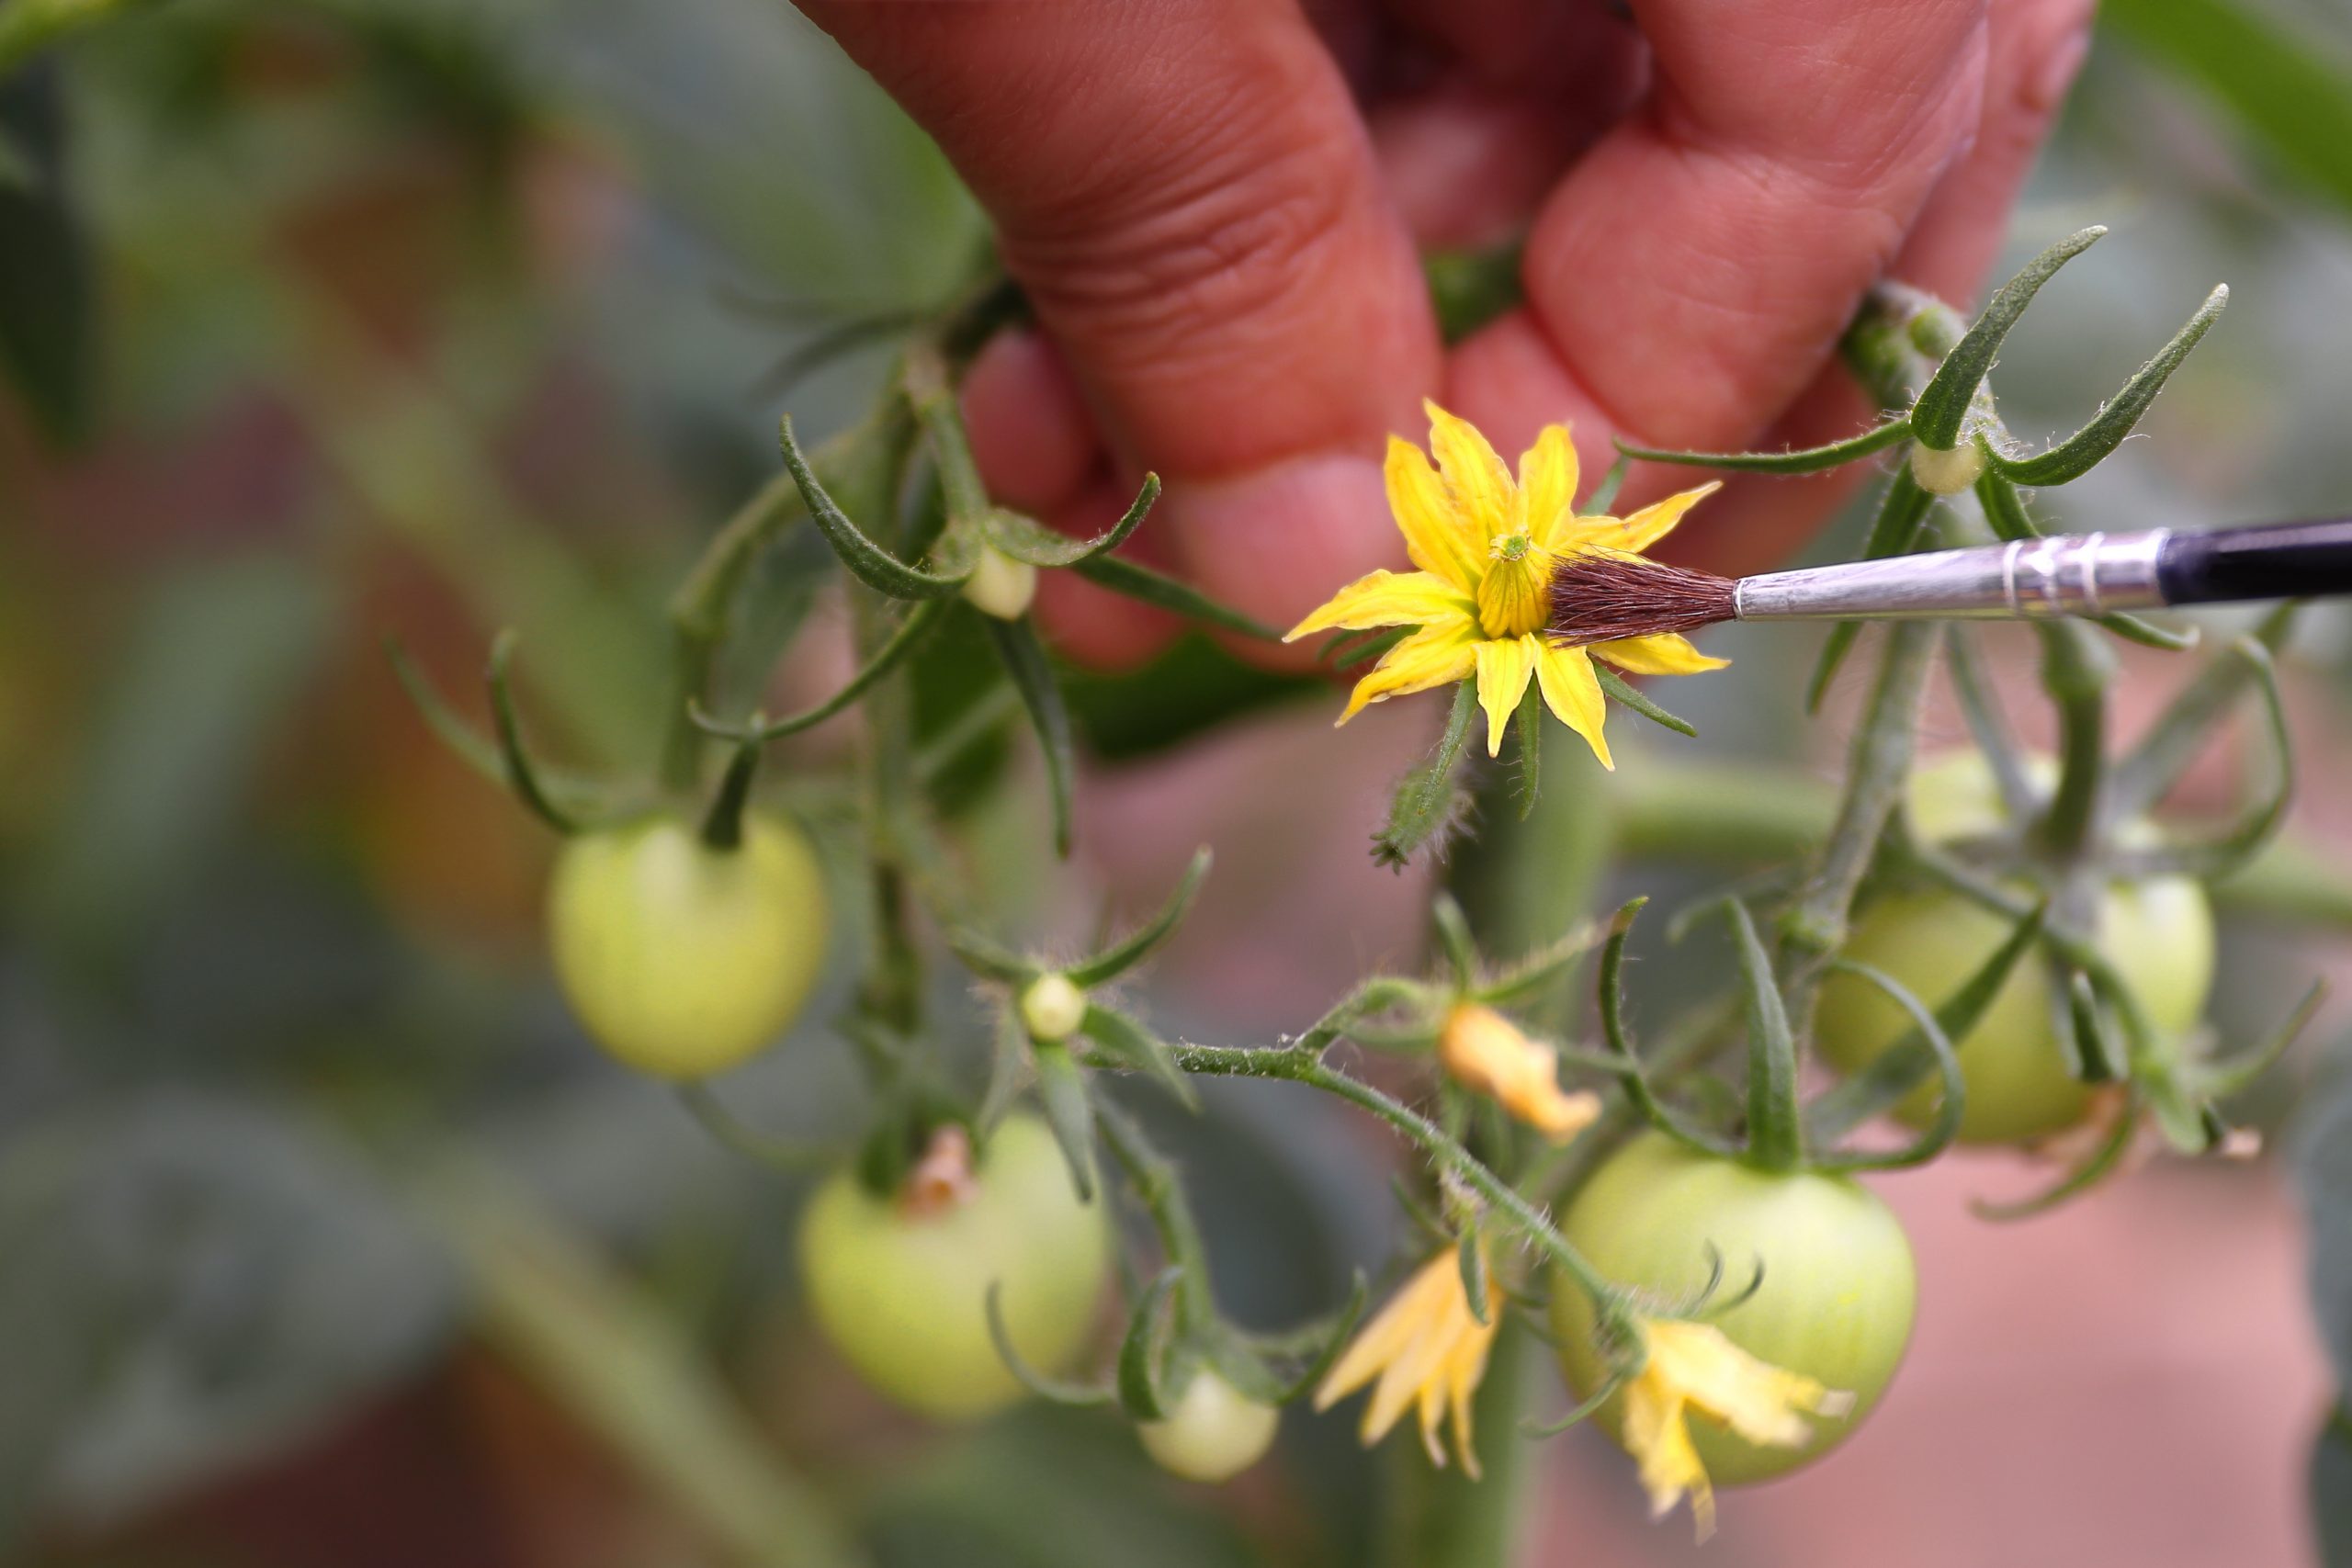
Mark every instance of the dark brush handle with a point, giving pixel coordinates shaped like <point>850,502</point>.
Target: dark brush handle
<point>2281,560</point>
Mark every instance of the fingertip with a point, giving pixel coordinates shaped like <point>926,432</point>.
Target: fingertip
<point>1031,435</point>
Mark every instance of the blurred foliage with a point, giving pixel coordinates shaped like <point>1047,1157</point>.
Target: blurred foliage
<point>425,317</point>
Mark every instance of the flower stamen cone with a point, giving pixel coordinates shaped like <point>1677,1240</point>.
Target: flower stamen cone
<point>1485,546</point>
<point>1428,1351</point>
<point>1693,1369</point>
<point>1487,1054</point>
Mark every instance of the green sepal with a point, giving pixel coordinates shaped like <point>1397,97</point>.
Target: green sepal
<point>1041,695</point>
<point>1053,1391</point>
<point>2182,1118</point>
<point>1062,1089</point>
<point>866,561</point>
<point>1930,1033</point>
<point>768,1148</point>
<point>1132,949</point>
<point>903,641</point>
<point>1540,968</point>
<point>522,774</point>
<point>2099,1056</point>
<point>1454,939</point>
<point>1894,531</point>
<point>2164,752</point>
<point>1604,494</point>
<point>1625,691</point>
<point>1346,649</point>
<point>1895,1072</point>
<point>1143,1351</point>
<point>1133,1047</point>
<point>2019,800</point>
<point>1530,1428</point>
<point>1470,1258</point>
<point>1527,724</point>
<point>2222,853</point>
<point>1942,407</point>
<point>1008,1071</point>
<point>723,824</point>
<point>1321,1342</point>
<point>2219,1081</point>
<point>1427,804</point>
<point>1775,1135</point>
<point>2081,452</point>
<point>1810,460</point>
<point>1026,540</point>
<point>2100,1163</point>
<point>1146,586</point>
<point>989,959</point>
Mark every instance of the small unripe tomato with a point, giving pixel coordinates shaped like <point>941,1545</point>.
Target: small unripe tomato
<point>1950,471</point>
<point>899,1284</point>
<point>683,960</point>
<point>1052,1007</point>
<point>1000,585</point>
<point>2158,933</point>
<point>1213,1433</point>
<point>1835,1302</point>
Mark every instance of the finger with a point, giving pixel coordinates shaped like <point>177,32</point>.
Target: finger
<point>1031,435</point>
<point>1693,273</point>
<point>1092,625</point>
<point>1189,200</point>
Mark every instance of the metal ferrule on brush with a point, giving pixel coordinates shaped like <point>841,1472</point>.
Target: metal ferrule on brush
<point>2027,578</point>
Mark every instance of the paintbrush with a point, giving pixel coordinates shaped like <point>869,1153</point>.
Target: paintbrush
<point>1602,596</point>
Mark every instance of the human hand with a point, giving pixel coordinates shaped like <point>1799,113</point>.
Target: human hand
<point>1214,207</point>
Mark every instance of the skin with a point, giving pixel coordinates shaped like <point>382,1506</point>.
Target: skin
<point>1215,206</point>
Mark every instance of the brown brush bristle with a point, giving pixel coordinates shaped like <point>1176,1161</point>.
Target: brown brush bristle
<point>1602,598</point>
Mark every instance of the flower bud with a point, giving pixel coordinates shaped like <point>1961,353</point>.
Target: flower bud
<point>1486,1053</point>
<point>1947,473</point>
<point>1052,1008</point>
<point>1000,586</point>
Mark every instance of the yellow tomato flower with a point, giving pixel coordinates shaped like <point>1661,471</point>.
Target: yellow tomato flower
<point>1485,547</point>
<point>1487,1054</point>
<point>1691,1367</point>
<point>1427,1348</point>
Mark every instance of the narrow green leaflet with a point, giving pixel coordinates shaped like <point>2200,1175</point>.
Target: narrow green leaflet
<point>1927,1034</point>
<point>1033,676</point>
<point>2081,452</point>
<point>1428,802</point>
<point>866,561</point>
<point>1146,586</point>
<point>1129,950</point>
<point>1133,1047</point>
<point>1942,408</point>
<point>1625,691</point>
<point>1026,540</point>
<point>1810,460</point>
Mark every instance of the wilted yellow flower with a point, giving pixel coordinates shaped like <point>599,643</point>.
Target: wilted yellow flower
<point>1485,547</point>
<point>1487,1054</point>
<point>1693,1367</point>
<point>1427,1348</point>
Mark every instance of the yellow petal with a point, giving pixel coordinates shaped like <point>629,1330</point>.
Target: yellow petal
<point>1483,494</point>
<point>1376,1344</point>
<point>1644,527</point>
<point>1431,656</point>
<point>1434,1290</point>
<point>1547,484</point>
<point>1469,1368</point>
<point>1386,599</point>
<point>1504,665</point>
<point>1573,693</point>
<point>1659,1440</point>
<point>1437,537</point>
<point>1754,1398</point>
<point>1668,653</point>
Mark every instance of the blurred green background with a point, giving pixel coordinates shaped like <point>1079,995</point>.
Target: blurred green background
<point>323,1236</point>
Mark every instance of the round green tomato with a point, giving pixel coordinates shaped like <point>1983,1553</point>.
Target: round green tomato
<point>1834,1304</point>
<point>683,960</point>
<point>904,1296</point>
<point>2158,934</point>
<point>1213,1433</point>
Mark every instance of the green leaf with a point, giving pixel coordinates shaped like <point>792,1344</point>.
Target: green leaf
<point>1125,954</point>
<point>1625,691</point>
<point>1810,460</point>
<point>1427,804</point>
<point>1026,540</point>
<point>866,561</point>
<point>1148,587</point>
<point>1133,1047</point>
<point>2081,452</point>
<point>2288,87</point>
<point>1033,677</point>
<point>1942,407</point>
<point>1930,1037</point>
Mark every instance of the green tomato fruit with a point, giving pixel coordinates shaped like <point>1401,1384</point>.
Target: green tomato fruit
<point>2158,934</point>
<point>1836,1297</point>
<point>1213,1433</point>
<point>683,960</point>
<point>903,1295</point>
